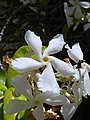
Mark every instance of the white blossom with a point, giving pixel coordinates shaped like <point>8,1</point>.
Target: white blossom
<point>23,86</point>
<point>25,64</point>
<point>82,73</point>
<point>68,109</point>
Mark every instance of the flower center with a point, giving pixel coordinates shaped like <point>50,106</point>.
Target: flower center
<point>45,59</point>
<point>37,102</point>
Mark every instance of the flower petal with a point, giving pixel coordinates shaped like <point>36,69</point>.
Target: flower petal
<point>67,11</point>
<point>34,42</point>
<point>51,98</point>
<point>55,45</point>
<point>22,85</point>
<point>56,100</point>
<point>75,53</point>
<point>47,81</point>
<point>79,73</point>
<point>87,83</point>
<point>68,110</point>
<point>77,92</point>
<point>17,106</point>
<point>87,66</point>
<point>24,64</point>
<point>62,67</point>
<point>85,4</point>
<point>72,2</point>
<point>86,26</point>
<point>78,12</point>
<point>38,112</point>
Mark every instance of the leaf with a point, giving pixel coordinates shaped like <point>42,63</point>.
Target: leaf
<point>2,83</point>
<point>11,72</point>
<point>1,110</point>
<point>26,116</point>
<point>7,97</point>
<point>2,77</point>
<point>3,87</point>
<point>1,94</point>
<point>65,30</point>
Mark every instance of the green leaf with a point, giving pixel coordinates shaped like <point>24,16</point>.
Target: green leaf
<point>1,110</point>
<point>1,94</point>
<point>21,52</point>
<point>65,30</point>
<point>2,83</point>
<point>11,72</point>
<point>27,115</point>
<point>7,97</point>
<point>2,77</point>
<point>3,87</point>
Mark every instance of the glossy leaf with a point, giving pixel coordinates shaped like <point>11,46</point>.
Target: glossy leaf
<point>7,97</point>
<point>22,51</point>
<point>3,87</point>
<point>2,77</point>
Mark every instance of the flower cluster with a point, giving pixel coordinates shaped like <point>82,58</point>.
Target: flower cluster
<point>47,79</point>
<point>75,13</point>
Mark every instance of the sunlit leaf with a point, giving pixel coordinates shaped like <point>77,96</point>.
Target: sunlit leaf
<point>3,87</point>
<point>22,51</point>
<point>7,97</point>
<point>2,77</point>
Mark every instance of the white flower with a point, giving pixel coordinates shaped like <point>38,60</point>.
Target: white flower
<point>47,81</point>
<point>67,11</point>
<point>76,9</point>
<point>22,85</point>
<point>76,55</point>
<point>25,64</point>
<point>68,109</point>
<point>87,26</point>
<point>84,84</point>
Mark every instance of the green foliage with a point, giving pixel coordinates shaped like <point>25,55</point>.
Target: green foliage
<point>3,88</point>
<point>1,110</point>
<point>7,97</point>
<point>2,77</point>
<point>22,51</point>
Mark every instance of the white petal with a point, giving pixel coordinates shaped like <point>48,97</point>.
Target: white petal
<point>62,67</point>
<point>55,101</point>
<point>79,73</point>
<point>86,26</point>
<point>77,92</point>
<point>87,83</point>
<point>22,85</point>
<point>75,53</point>
<point>68,110</point>
<point>51,98</point>
<point>87,67</point>
<point>85,4</point>
<point>17,106</point>
<point>38,112</point>
<point>47,81</point>
<point>34,42</point>
<point>78,12</point>
<point>24,64</point>
<point>72,2</point>
<point>55,45</point>
<point>81,84</point>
